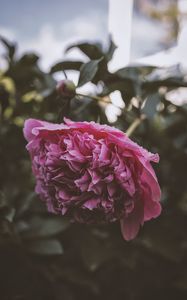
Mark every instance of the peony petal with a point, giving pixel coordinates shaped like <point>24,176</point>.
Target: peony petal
<point>152,209</point>
<point>149,177</point>
<point>28,127</point>
<point>130,224</point>
<point>91,204</point>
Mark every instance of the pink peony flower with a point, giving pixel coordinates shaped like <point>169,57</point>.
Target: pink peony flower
<point>93,173</point>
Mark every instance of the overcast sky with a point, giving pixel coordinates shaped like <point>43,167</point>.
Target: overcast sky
<point>47,26</point>
<point>28,16</point>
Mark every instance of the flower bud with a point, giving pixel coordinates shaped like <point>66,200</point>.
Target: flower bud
<point>66,88</point>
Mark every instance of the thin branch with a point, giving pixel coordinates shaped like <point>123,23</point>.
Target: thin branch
<point>134,125</point>
<point>89,96</point>
<point>65,75</point>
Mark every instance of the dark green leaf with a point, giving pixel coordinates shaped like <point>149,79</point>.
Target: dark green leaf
<point>3,201</point>
<point>39,227</point>
<point>29,59</point>
<point>111,50</point>
<point>46,247</point>
<point>151,104</point>
<point>93,51</point>
<point>10,214</point>
<point>165,73</point>
<point>169,77</point>
<point>11,47</point>
<point>120,85</point>
<point>66,65</point>
<point>134,72</point>
<point>88,71</point>
<point>25,204</point>
<point>94,251</point>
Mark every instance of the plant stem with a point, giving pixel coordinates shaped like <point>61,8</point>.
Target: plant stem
<point>65,75</point>
<point>134,125</point>
<point>90,96</point>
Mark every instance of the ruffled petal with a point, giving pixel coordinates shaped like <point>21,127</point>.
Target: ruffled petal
<point>28,128</point>
<point>131,223</point>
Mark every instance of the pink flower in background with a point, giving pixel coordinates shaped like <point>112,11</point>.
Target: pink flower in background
<point>93,173</point>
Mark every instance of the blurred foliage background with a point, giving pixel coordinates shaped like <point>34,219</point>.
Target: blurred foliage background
<point>43,256</point>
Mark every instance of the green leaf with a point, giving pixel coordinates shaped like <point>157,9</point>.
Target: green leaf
<point>29,59</point>
<point>11,47</point>
<point>111,50</point>
<point>93,51</point>
<point>120,85</point>
<point>39,227</point>
<point>88,71</point>
<point>168,77</point>
<point>10,214</point>
<point>134,72</point>
<point>150,106</point>
<point>3,201</point>
<point>165,73</point>
<point>25,204</point>
<point>66,65</point>
<point>46,247</point>
<point>94,251</point>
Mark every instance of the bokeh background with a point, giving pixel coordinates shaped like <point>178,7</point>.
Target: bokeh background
<point>49,26</point>
<point>43,256</point>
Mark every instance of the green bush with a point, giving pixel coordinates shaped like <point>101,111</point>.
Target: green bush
<point>43,256</point>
